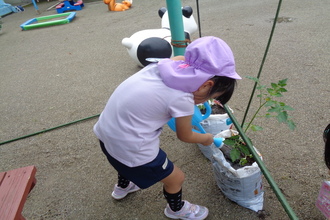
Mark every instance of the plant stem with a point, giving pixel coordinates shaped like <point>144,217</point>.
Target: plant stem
<point>254,116</point>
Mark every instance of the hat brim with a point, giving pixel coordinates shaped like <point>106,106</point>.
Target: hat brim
<point>181,76</point>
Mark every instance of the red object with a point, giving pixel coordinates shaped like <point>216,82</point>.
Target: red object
<point>60,5</point>
<point>78,3</point>
<point>323,200</point>
<point>15,185</point>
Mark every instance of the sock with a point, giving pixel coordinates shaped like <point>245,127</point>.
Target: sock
<point>174,200</point>
<point>122,181</point>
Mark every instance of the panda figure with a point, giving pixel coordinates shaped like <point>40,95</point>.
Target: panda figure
<point>156,43</point>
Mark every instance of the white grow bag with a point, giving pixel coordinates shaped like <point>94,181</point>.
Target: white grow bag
<point>244,185</point>
<point>217,123</point>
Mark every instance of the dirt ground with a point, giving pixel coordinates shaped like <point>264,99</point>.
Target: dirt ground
<point>55,75</point>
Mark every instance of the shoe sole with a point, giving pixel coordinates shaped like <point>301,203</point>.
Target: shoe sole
<point>121,197</point>
<point>175,217</point>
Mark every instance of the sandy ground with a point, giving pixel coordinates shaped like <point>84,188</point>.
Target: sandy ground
<point>59,74</point>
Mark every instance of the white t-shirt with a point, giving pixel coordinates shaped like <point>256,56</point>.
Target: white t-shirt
<point>132,120</point>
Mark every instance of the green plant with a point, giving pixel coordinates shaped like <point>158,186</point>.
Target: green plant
<point>276,109</point>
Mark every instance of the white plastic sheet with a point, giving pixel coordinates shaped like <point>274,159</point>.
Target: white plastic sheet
<point>244,185</point>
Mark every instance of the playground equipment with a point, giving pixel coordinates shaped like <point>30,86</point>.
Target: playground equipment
<point>46,21</point>
<point>15,186</point>
<point>196,120</point>
<point>157,43</point>
<point>8,8</point>
<point>123,6</point>
<point>69,5</point>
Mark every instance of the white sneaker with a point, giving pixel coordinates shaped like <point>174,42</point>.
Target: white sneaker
<point>188,212</point>
<point>120,193</point>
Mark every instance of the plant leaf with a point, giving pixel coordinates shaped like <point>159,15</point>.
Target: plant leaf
<point>274,109</point>
<point>274,85</point>
<point>253,78</point>
<point>234,154</point>
<point>288,108</point>
<point>282,82</point>
<point>244,150</point>
<point>256,128</point>
<point>282,90</point>
<point>243,161</point>
<point>229,142</point>
<point>282,116</point>
<point>291,125</point>
<point>270,103</point>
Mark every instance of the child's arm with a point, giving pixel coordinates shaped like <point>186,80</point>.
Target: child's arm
<point>184,132</point>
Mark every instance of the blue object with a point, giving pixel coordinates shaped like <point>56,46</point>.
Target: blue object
<point>49,20</point>
<point>19,8</point>
<point>35,5</point>
<point>70,6</point>
<point>197,118</point>
<point>6,8</point>
<point>229,121</point>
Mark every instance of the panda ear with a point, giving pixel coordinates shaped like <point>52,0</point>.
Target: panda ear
<point>162,11</point>
<point>187,11</point>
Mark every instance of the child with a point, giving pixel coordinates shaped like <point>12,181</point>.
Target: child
<point>326,138</point>
<point>130,125</point>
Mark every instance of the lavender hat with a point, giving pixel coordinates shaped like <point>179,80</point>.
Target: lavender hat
<point>205,58</point>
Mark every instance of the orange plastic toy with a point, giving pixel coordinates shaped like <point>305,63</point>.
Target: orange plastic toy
<point>113,6</point>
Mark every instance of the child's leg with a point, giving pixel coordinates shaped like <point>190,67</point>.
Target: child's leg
<point>123,187</point>
<point>173,189</point>
<point>173,182</point>
<point>122,181</point>
<point>178,208</point>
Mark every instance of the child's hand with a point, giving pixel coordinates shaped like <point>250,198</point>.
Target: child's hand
<point>209,139</point>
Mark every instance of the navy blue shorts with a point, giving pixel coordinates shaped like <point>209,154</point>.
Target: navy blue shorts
<point>145,175</point>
